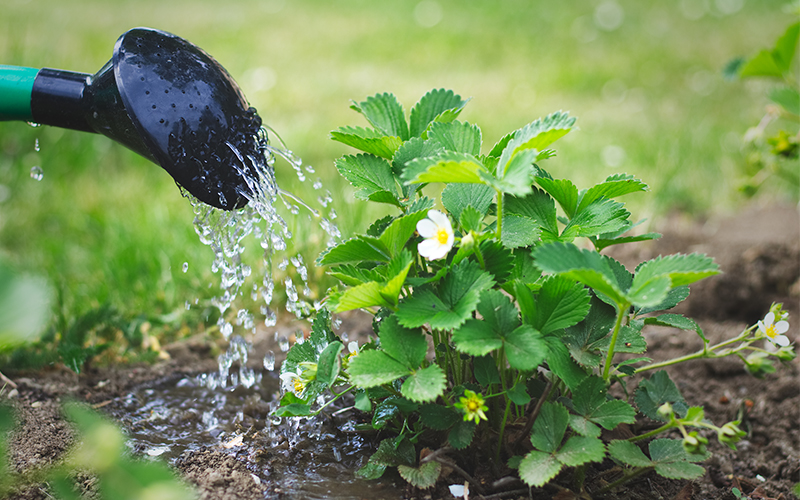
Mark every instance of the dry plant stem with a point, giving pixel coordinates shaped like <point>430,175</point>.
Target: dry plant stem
<point>624,479</point>
<point>535,413</point>
<point>7,381</point>
<point>436,454</point>
<point>475,484</point>
<point>502,494</point>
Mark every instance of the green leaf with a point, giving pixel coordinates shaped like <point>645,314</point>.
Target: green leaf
<point>580,450</point>
<point>562,303</point>
<point>461,434</point>
<point>614,185</point>
<point>498,260</point>
<point>362,401</point>
<point>457,197</point>
<point>656,391</point>
<point>329,364</point>
<point>600,216</point>
<point>560,363</point>
<point>371,471</point>
<point>681,269</point>
<point>516,176</point>
<point>485,370</point>
<point>399,266</point>
<point>393,452</point>
<point>470,218</point>
<point>612,413</point>
<point>358,297</point>
<point>438,417</point>
<point>628,453</point>
<point>352,276</point>
<point>385,412</point>
<point>422,477</point>
<point>587,267</point>
<point>549,427</point>
<point>370,175</point>
<point>537,135</point>
<point>519,231</point>
<point>563,191</point>
<point>424,385</point>
<point>672,460</point>
<point>408,346</point>
<point>396,235</point>
<point>601,243</point>
<point>445,167</point>
<point>368,140</point>
<point>525,348</point>
<point>293,410</point>
<point>676,321</point>
<point>456,136</point>
<point>630,339</point>
<point>787,97</point>
<point>518,395</point>
<point>373,368</point>
<point>458,295</point>
<point>537,468</point>
<point>762,64</point>
<point>538,206</point>
<point>785,47</point>
<point>410,150</point>
<point>356,250</point>
<point>673,298</point>
<point>477,338</point>
<point>384,113</point>
<point>437,105</point>
<point>649,293</point>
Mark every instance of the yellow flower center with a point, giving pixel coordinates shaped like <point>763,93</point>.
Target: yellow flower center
<point>298,386</point>
<point>771,332</point>
<point>442,236</point>
<point>473,405</point>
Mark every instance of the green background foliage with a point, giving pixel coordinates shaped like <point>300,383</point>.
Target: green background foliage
<point>110,230</point>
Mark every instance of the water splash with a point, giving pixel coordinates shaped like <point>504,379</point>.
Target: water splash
<point>264,219</point>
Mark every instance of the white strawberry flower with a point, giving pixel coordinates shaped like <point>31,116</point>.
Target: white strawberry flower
<point>438,234</point>
<point>774,331</point>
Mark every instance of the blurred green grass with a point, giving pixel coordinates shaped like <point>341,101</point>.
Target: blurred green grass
<point>644,78</point>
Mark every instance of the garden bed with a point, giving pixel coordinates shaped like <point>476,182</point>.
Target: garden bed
<point>759,253</point>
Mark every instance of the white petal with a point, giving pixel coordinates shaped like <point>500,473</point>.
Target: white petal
<point>432,250</point>
<point>439,218</point>
<point>457,490</point>
<point>782,326</point>
<point>769,318</point>
<point>762,327</point>
<point>781,340</point>
<point>427,228</point>
<point>352,346</point>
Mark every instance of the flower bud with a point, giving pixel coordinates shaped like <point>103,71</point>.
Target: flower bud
<point>730,434</point>
<point>665,411</point>
<point>758,365</point>
<point>694,444</point>
<point>786,353</point>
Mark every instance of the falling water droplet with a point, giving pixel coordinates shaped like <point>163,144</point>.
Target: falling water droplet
<point>283,343</point>
<point>36,145</point>
<point>185,266</point>
<point>37,173</point>
<point>269,361</point>
<point>34,124</point>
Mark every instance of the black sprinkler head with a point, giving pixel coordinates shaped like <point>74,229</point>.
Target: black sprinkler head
<point>169,101</point>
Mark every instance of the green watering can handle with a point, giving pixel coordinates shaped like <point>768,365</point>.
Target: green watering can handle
<point>16,85</point>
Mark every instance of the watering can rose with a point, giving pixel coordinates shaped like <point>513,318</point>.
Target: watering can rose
<point>438,234</point>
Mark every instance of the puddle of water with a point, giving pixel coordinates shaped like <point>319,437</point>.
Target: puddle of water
<point>295,458</point>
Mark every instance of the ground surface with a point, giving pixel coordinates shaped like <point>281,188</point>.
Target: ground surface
<point>759,252</point>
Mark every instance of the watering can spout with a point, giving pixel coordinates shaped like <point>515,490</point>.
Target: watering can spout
<point>161,97</point>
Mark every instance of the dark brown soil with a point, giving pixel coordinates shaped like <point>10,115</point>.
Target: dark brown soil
<point>759,252</point>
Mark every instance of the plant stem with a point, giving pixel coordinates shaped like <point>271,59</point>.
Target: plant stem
<point>624,479</point>
<point>706,352</point>
<point>610,356</point>
<point>502,430</point>
<point>499,231</point>
<point>654,432</point>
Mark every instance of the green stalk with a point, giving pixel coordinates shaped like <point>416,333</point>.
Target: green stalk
<point>610,356</point>
<point>502,430</point>
<point>654,432</point>
<point>499,232</point>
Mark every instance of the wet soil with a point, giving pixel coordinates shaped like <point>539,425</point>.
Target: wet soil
<point>759,253</point>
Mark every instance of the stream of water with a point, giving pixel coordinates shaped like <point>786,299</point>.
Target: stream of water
<point>230,409</point>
